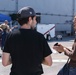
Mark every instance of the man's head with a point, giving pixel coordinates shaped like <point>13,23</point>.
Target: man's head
<point>74,23</point>
<point>6,22</point>
<point>27,15</point>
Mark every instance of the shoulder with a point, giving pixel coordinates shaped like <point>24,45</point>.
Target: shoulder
<point>39,34</point>
<point>3,24</point>
<point>12,33</point>
<point>15,32</point>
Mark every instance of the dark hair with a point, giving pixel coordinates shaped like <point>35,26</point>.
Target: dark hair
<point>22,21</point>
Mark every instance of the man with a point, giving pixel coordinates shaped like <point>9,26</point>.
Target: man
<point>70,53</point>
<point>26,49</point>
<point>5,26</point>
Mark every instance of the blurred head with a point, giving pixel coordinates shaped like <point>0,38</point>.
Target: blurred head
<point>74,23</point>
<point>6,22</point>
<point>27,15</point>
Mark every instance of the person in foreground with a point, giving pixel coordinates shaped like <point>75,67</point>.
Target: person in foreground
<point>70,53</point>
<point>26,49</point>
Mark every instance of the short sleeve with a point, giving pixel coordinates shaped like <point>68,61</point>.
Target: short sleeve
<point>46,49</point>
<point>7,44</point>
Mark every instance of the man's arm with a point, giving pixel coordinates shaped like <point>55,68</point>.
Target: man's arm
<point>6,60</point>
<point>47,60</point>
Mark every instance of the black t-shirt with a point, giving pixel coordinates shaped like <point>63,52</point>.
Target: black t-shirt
<point>27,49</point>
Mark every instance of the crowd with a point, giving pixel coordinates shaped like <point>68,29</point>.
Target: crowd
<point>4,30</point>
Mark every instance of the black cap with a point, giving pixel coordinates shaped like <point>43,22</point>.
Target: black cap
<point>26,12</point>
